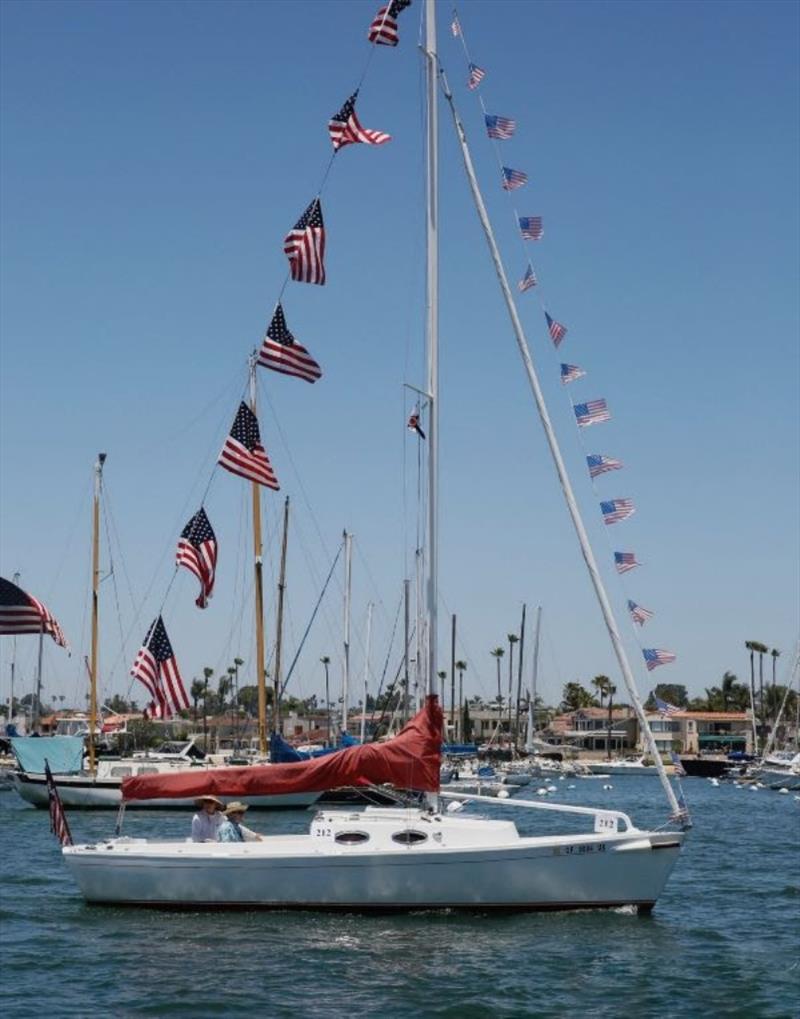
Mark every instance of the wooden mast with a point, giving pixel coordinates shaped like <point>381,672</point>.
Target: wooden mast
<point>98,484</point>
<point>276,708</point>
<point>259,592</point>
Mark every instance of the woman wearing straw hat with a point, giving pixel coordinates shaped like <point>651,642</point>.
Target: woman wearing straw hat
<point>232,829</point>
<point>207,820</point>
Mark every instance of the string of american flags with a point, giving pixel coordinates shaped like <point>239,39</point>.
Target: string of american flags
<point>499,129</point>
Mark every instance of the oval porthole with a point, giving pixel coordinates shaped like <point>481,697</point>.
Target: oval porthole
<point>409,837</point>
<point>351,838</point>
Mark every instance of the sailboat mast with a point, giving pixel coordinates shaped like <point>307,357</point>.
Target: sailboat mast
<point>561,470</point>
<point>406,622</point>
<point>366,671</point>
<point>348,572</point>
<point>535,677</point>
<point>432,304</point>
<point>279,635</point>
<point>93,664</point>
<point>261,679</point>
<point>10,715</point>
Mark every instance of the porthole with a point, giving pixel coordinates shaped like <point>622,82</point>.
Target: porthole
<point>409,837</point>
<point>351,838</point>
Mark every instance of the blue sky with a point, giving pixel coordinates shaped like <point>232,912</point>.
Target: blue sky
<point>154,156</point>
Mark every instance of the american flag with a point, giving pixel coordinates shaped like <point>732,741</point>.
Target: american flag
<point>591,413</point>
<point>22,613</point>
<point>500,128</point>
<point>678,763</point>
<point>664,707</point>
<point>243,453</point>
<point>531,228</point>
<point>599,464</point>
<point>414,425</point>
<point>513,178</point>
<point>571,372</point>
<point>556,330</point>
<point>305,246</point>
<point>281,353</point>
<point>639,614</point>
<point>156,668</point>
<point>617,509</point>
<point>197,551</point>
<point>58,819</point>
<point>476,76</point>
<point>345,129</point>
<point>383,30</point>
<point>455,27</point>
<point>624,561</point>
<point>653,658</point>
<point>528,280</point>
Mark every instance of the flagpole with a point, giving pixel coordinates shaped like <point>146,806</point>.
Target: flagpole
<point>259,591</point>
<point>15,580</point>
<point>555,451</point>
<point>93,666</point>
<point>276,709</point>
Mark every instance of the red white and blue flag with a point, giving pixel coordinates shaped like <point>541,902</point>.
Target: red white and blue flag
<point>243,453</point>
<point>197,551</point>
<point>556,330</point>
<point>414,425</point>
<point>58,819</point>
<point>677,763</point>
<point>591,413</point>
<point>528,281</point>
<point>599,464</point>
<point>571,372</point>
<point>513,179</point>
<point>304,246</point>
<point>156,668</point>
<point>664,707</point>
<point>653,658</point>
<point>531,228</point>
<point>20,612</point>
<point>499,128</point>
<point>455,26</point>
<point>639,614</point>
<point>383,30</point>
<point>345,128</point>
<point>283,354</point>
<point>476,76</point>
<point>615,510</point>
<point>624,561</point>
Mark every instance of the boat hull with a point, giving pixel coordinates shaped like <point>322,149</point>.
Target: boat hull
<point>583,872</point>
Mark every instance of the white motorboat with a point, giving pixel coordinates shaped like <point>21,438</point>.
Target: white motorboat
<point>780,770</point>
<point>620,766</point>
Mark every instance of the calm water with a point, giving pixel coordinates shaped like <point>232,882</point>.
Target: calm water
<point>723,940</point>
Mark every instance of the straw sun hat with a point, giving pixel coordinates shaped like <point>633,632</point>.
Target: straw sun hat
<point>235,808</point>
<point>210,799</point>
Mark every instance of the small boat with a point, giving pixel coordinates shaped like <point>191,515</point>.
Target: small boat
<point>621,766</point>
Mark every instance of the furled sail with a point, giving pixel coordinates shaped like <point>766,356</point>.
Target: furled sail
<point>409,761</point>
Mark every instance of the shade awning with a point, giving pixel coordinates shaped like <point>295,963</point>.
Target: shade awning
<point>721,738</point>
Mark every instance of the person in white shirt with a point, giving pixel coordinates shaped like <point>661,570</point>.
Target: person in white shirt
<point>207,820</point>
<point>232,829</point>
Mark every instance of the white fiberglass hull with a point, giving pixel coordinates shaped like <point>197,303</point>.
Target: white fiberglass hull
<point>82,792</point>
<point>500,870</point>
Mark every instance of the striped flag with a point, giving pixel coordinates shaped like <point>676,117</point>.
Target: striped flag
<point>455,26</point>
<point>476,76</point>
<point>243,453</point>
<point>500,128</point>
<point>664,707</point>
<point>58,819</point>
<point>513,178</point>
<point>599,464</point>
<point>305,246</point>
<point>591,413</point>
<point>531,228</point>
<point>157,670</point>
<point>571,372</point>
<point>615,510</point>
<point>639,614</point>
<point>345,128</point>
<point>20,612</point>
<point>678,764</point>
<point>383,30</point>
<point>653,658</point>
<point>197,551</point>
<point>529,280</point>
<point>281,353</point>
<point>624,561</point>
<point>556,330</point>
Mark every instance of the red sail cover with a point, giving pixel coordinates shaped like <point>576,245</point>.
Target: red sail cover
<point>409,761</point>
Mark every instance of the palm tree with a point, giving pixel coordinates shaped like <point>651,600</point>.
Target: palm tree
<point>601,685</point>
<point>196,692</point>
<point>497,654</point>
<point>610,690</point>
<point>326,661</point>
<point>460,669</point>
<point>512,640</point>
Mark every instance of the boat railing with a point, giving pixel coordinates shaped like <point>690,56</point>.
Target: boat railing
<point>604,820</point>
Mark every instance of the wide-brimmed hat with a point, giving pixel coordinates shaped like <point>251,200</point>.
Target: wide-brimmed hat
<point>236,808</point>
<point>210,799</point>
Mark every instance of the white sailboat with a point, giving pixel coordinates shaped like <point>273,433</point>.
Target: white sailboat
<point>398,858</point>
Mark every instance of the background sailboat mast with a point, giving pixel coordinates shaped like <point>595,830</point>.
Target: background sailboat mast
<point>432,303</point>
<point>555,451</point>
<point>276,708</point>
<point>98,484</point>
<point>535,677</point>
<point>261,679</point>
<point>348,573</point>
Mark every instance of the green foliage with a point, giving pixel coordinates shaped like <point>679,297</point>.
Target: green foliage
<point>142,734</point>
<point>672,693</point>
<point>466,724</point>
<point>576,696</point>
